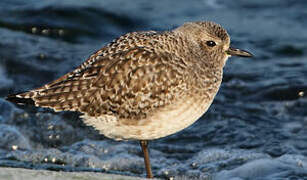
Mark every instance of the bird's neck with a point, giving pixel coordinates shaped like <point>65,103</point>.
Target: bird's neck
<point>207,79</point>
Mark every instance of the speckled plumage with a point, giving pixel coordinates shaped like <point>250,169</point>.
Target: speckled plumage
<point>143,85</point>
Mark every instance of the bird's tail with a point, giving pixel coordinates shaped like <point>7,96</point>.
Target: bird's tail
<point>21,98</point>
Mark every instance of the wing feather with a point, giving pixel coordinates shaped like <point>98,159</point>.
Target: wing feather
<point>125,83</point>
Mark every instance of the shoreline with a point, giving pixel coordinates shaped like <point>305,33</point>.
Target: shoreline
<point>8,173</point>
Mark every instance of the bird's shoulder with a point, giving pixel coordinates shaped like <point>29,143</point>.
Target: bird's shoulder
<point>121,45</point>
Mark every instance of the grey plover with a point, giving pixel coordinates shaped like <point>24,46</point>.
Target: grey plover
<point>143,85</point>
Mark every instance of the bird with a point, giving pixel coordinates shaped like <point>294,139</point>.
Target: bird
<point>143,85</point>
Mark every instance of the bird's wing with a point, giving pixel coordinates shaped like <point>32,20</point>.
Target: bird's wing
<point>140,80</point>
<point>126,83</point>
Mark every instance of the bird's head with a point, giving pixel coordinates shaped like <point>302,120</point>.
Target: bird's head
<point>211,40</point>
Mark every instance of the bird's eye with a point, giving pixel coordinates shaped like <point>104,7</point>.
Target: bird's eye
<point>210,43</point>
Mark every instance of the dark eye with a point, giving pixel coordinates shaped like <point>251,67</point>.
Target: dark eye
<point>210,43</point>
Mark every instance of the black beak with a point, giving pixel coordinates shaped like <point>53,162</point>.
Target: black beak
<point>238,52</point>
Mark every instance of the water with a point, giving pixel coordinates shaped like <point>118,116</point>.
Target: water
<point>255,129</point>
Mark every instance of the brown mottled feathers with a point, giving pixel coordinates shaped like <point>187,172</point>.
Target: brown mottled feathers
<point>140,72</point>
<point>143,85</point>
<point>126,79</point>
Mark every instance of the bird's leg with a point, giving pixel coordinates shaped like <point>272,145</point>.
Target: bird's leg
<point>144,145</point>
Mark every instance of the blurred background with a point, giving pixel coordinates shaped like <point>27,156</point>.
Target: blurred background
<point>256,127</point>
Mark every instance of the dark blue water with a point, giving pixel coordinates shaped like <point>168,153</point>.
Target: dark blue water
<point>255,129</point>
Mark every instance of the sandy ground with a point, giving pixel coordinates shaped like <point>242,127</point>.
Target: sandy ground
<point>28,174</point>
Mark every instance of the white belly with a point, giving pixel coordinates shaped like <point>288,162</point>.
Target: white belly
<point>163,122</point>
